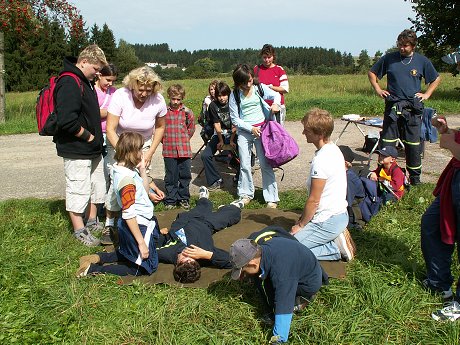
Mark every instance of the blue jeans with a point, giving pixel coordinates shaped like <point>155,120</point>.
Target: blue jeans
<point>178,174</point>
<point>319,237</point>
<point>212,175</point>
<point>437,254</point>
<point>245,183</point>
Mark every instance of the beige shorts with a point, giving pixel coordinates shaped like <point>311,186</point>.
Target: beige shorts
<point>85,183</point>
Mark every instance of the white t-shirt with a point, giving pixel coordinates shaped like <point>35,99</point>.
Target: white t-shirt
<point>136,120</point>
<point>329,164</point>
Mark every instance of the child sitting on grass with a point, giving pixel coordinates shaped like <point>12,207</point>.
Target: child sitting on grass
<point>389,175</point>
<point>137,228</point>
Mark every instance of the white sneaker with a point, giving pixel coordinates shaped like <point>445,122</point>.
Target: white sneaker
<point>450,312</point>
<point>204,192</point>
<point>237,203</point>
<point>244,199</point>
<point>346,245</point>
<point>272,205</point>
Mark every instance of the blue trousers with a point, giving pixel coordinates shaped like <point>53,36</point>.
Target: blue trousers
<point>178,175</point>
<point>212,175</point>
<point>437,254</point>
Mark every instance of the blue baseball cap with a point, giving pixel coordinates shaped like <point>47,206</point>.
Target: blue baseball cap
<point>388,151</point>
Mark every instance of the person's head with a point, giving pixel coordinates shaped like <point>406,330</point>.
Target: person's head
<point>128,150</point>
<point>406,42</point>
<point>212,88</point>
<point>91,60</point>
<point>186,270</point>
<point>348,155</point>
<point>222,92</point>
<point>176,93</point>
<point>268,55</point>
<point>143,82</point>
<point>245,255</point>
<point>387,155</point>
<point>243,77</point>
<point>317,124</point>
<point>107,77</point>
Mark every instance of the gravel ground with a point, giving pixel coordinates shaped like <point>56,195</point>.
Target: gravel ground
<point>30,167</point>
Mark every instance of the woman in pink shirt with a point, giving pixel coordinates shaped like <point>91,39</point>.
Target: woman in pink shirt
<point>137,107</point>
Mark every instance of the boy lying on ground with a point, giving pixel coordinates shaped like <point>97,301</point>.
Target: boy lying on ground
<point>189,244</point>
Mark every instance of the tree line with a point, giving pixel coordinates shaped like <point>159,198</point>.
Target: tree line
<point>32,56</point>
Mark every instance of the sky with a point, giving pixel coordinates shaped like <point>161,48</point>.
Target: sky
<point>347,26</point>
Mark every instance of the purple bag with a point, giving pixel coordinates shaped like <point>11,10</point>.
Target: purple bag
<point>278,145</point>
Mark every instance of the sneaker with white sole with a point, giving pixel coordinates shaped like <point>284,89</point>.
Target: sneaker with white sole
<point>204,192</point>
<point>272,205</point>
<point>346,245</point>
<point>244,199</point>
<point>446,295</point>
<point>237,203</point>
<point>216,185</point>
<point>450,312</point>
<point>108,235</point>
<point>85,237</point>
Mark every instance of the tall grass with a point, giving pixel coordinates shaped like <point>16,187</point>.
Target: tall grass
<point>339,94</point>
<point>380,301</point>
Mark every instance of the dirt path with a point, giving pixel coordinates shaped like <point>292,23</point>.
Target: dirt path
<point>30,167</point>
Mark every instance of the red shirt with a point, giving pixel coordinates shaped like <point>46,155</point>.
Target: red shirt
<point>179,128</point>
<point>274,76</point>
<point>395,176</point>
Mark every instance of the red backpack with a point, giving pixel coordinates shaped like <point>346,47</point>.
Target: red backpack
<point>44,108</point>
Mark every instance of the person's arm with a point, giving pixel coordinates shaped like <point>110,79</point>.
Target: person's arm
<point>232,137</point>
<point>143,173</point>
<point>375,84</point>
<point>218,129</point>
<point>317,187</point>
<point>235,116</point>
<point>190,123</point>
<point>270,94</point>
<point>128,195</point>
<point>111,129</point>
<point>451,142</point>
<point>160,124</point>
<point>429,91</point>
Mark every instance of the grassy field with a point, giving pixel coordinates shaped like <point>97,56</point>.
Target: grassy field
<point>380,301</point>
<point>339,94</point>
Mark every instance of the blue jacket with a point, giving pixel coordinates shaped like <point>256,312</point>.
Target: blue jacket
<point>236,116</point>
<point>428,132</point>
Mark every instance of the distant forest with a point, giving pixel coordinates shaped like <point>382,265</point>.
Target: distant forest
<point>300,60</point>
<point>30,60</point>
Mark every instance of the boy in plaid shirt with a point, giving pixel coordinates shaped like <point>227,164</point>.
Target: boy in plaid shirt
<point>177,154</point>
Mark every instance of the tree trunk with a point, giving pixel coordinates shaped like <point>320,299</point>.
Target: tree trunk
<point>2,75</point>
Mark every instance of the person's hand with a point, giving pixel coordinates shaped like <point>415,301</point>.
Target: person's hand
<point>232,144</point>
<point>382,93</point>
<point>422,96</point>
<point>373,176</point>
<point>148,158</point>
<point>164,231</point>
<point>275,108</point>
<point>440,123</point>
<point>144,251</point>
<point>220,144</point>
<point>295,229</point>
<point>197,253</point>
<point>156,196</point>
<point>91,138</point>
<point>255,131</point>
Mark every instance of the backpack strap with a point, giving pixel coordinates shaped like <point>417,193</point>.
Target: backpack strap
<point>74,76</point>
<point>236,95</point>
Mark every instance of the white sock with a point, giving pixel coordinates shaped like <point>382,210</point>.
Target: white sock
<point>109,221</point>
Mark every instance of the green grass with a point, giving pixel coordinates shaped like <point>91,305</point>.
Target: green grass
<point>380,301</point>
<point>339,94</point>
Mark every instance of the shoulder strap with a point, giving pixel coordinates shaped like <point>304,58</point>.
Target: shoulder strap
<point>74,76</point>
<point>236,95</point>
